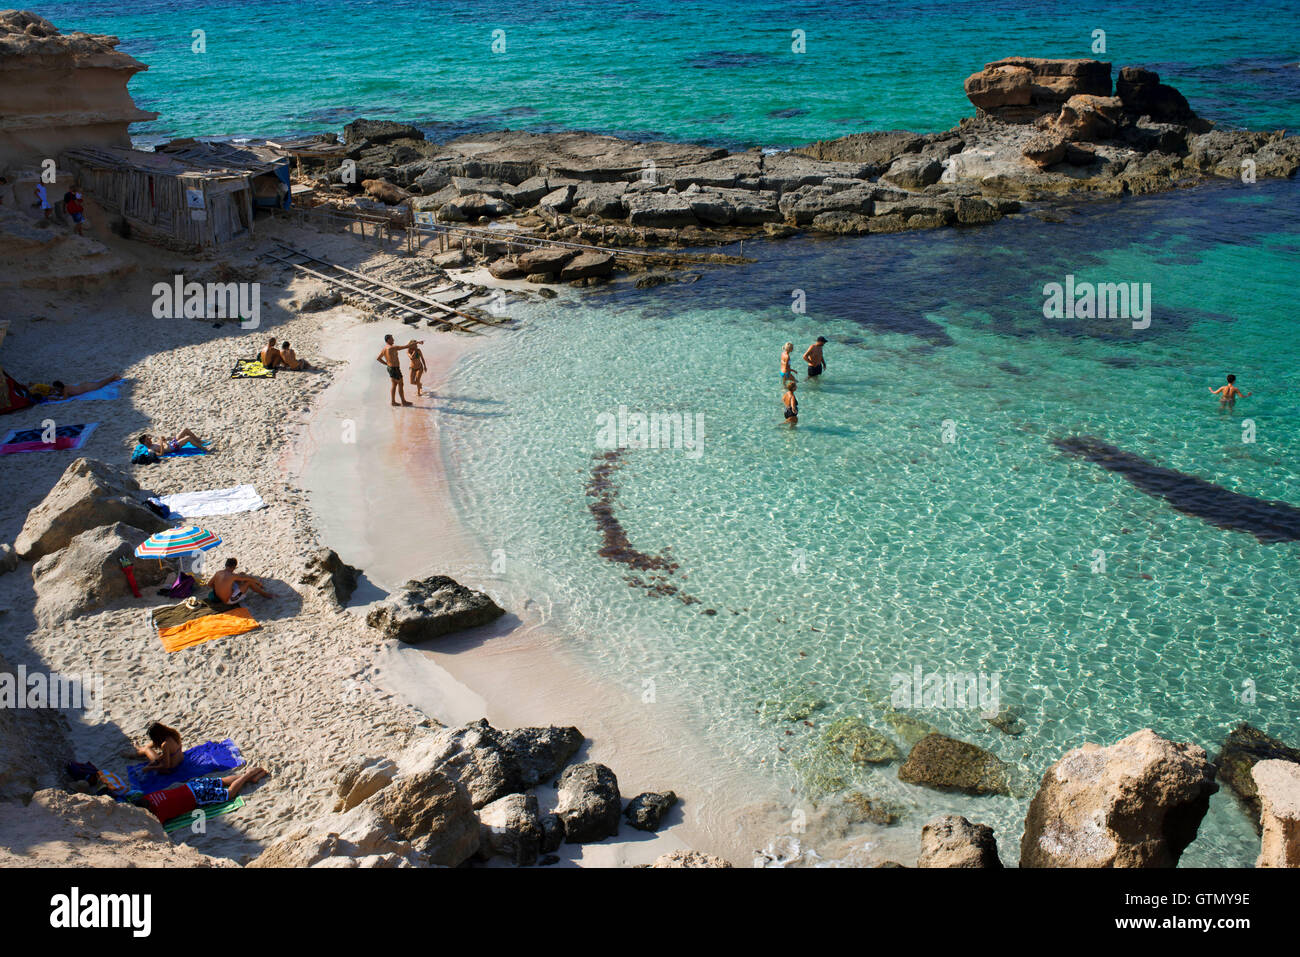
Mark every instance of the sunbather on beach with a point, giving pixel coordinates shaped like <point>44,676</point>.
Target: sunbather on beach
<point>231,588</point>
<point>201,792</point>
<point>162,446</point>
<point>813,356</point>
<point>164,751</point>
<point>418,367</point>
<point>1228,393</point>
<point>391,358</point>
<point>290,359</point>
<point>60,390</point>
<point>270,355</point>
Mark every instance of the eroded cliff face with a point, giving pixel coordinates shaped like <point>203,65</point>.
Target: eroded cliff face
<point>59,90</point>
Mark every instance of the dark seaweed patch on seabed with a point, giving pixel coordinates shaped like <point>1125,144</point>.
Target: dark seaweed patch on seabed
<point>615,544</point>
<point>1268,521</point>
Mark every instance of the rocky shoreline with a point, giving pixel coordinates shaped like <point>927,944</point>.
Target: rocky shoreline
<point>1045,133</point>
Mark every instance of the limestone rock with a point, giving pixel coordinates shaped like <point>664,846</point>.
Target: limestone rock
<point>358,838</point>
<point>1243,748</point>
<point>589,803</point>
<point>432,607</point>
<point>952,841</point>
<point>646,811</point>
<point>329,574</point>
<point>587,266</point>
<point>946,764</point>
<point>856,740</point>
<point>87,574</point>
<point>599,199</point>
<point>1143,94</point>
<point>360,778</point>
<point>510,828</point>
<point>540,753</point>
<point>1088,118</point>
<point>647,208</point>
<point>471,754</point>
<point>548,259</point>
<point>1136,803</point>
<point>88,495</point>
<point>559,199</point>
<point>506,268</point>
<point>913,171</point>
<point>379,131</point>
<point>1278,786</point>
<point>1020,89</point>
<point>1044,149</point>
<point>385,192</point>
<point>689,859</point>
<point>434,813</point>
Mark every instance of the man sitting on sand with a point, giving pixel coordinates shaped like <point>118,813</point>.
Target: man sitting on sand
<point>1228,393</point>
<point>231,588</point>
<point>391,358</point>
<point>290,359</point>
<point>165,446</point>
<point>270,355</point>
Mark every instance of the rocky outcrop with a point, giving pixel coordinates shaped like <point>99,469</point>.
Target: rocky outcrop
<point>1021,89</point>
<point>61,90</point>
<point>590,265</point>
<point>540,753</point>
<point>646,811</point>
<point>1137,803</point>
<point>1278,786</point>
<point>1243,748</point>
<point>953,841</point>
<point>1143,94</point>
<point>946,764</point>
<point>8,559</point>
<point>360,778</point>
<point>589,803</point>
<point>689,859</point>
<point>88,495</point>
<point>471,754</point>
<point>358,838</point>
<point>33,742</point>
<point>430,608</point>
<point>331,576</point>
<point>58,829</point>
<point>87,574</point>
<point>433,812</point>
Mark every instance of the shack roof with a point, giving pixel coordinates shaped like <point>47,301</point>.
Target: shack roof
<point>124,159</point>
<point>251,158</point>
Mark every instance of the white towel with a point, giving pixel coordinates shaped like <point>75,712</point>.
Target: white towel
<point>217,501</point>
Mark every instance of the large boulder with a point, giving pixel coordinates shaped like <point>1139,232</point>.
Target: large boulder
<point>88,495</point>
<point>1278,786</point>
<point>330,575</point>
<point>588,266</point>
<point>540,753</point>
<point>914,171</point>
<point>360,778</point>
<point>1021,89</point>
<point>689,859</point>
<point>1137,803</point>
<point>360,837</point>
<point>801,206</point>
<point>1243,748</point>
<point>434,813</point>
<point>1085,118</point>
<point>471,754</point>
<point>506,268</point>
<point>548,259</point>
<point>589,803</point>
<point>604,200</point>
<point>1143,94</point>
<point>946,764</point>
<point>430,608</point>
<point>384,191</point>
<point>510,827</point>
<point>952,841</point>
<point>87,574</point>
<point>379,131</point>
<point>648,208</point>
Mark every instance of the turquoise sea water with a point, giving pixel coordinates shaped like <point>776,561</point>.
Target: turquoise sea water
<point>861,545</point>
<point>721,71</point>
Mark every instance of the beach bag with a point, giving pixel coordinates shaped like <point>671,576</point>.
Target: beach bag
<point>141,455</point>
<point>182,587</point>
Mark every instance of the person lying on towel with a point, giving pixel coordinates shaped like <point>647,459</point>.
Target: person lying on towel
<point>231,588</point>
<point>61,390</point>
<point>163,446</point>
<point>170,802</point>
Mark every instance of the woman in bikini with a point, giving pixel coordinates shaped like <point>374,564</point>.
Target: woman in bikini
<point>790,402</point>
<point>786,372</point>
<point>418,367</point>
<point>164,751</point>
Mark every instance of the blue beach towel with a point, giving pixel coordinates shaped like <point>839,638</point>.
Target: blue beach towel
<point>189,448</point>
<point>111,391</point>
<point>207,758</point>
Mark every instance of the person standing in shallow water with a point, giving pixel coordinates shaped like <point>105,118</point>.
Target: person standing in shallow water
<point>816,361</point>
<point>1228,393</point>
<point>790,402</point>
<point>391,358</point>
<point>786,371</point>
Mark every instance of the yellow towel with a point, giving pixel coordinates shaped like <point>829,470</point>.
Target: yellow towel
<point>203,629</point>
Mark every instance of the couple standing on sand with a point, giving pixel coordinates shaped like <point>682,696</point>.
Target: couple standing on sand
<point>816,365</point>
<point>390,356</point>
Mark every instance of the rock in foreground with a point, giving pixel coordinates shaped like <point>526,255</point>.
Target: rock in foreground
<point>430,608</point>
<point>953,841</point>
<point>946,764</point>
<point>1137,803</point>
<point>589,804</point>
<point>1278,786</point>
<point>87,574</point>
<point>1243,748</point>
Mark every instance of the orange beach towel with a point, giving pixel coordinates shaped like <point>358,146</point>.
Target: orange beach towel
<point>199,630</point>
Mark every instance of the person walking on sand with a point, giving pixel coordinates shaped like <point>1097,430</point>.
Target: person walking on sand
<point>790,402</point>
<point>391,358</point>
<point>76,209</point>
<point>1228,393</point>
<point>786,351</point>
<point>418,367</point>
<point>813,356</point>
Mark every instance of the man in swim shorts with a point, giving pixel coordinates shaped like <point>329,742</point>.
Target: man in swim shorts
<point>813,356</point>
<point>391,358</point>
<point>231,588</point>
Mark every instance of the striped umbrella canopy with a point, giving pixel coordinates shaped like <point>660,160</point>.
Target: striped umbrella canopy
<point>177,541</point>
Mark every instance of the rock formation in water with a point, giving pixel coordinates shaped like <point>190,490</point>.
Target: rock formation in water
<point>61,90</point>
<point>952,841</point>
<point>1137,803</point>
<point>1278,786</point>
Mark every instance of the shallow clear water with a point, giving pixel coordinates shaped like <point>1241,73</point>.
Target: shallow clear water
<point>721,71</point>
<point>862,545</point>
